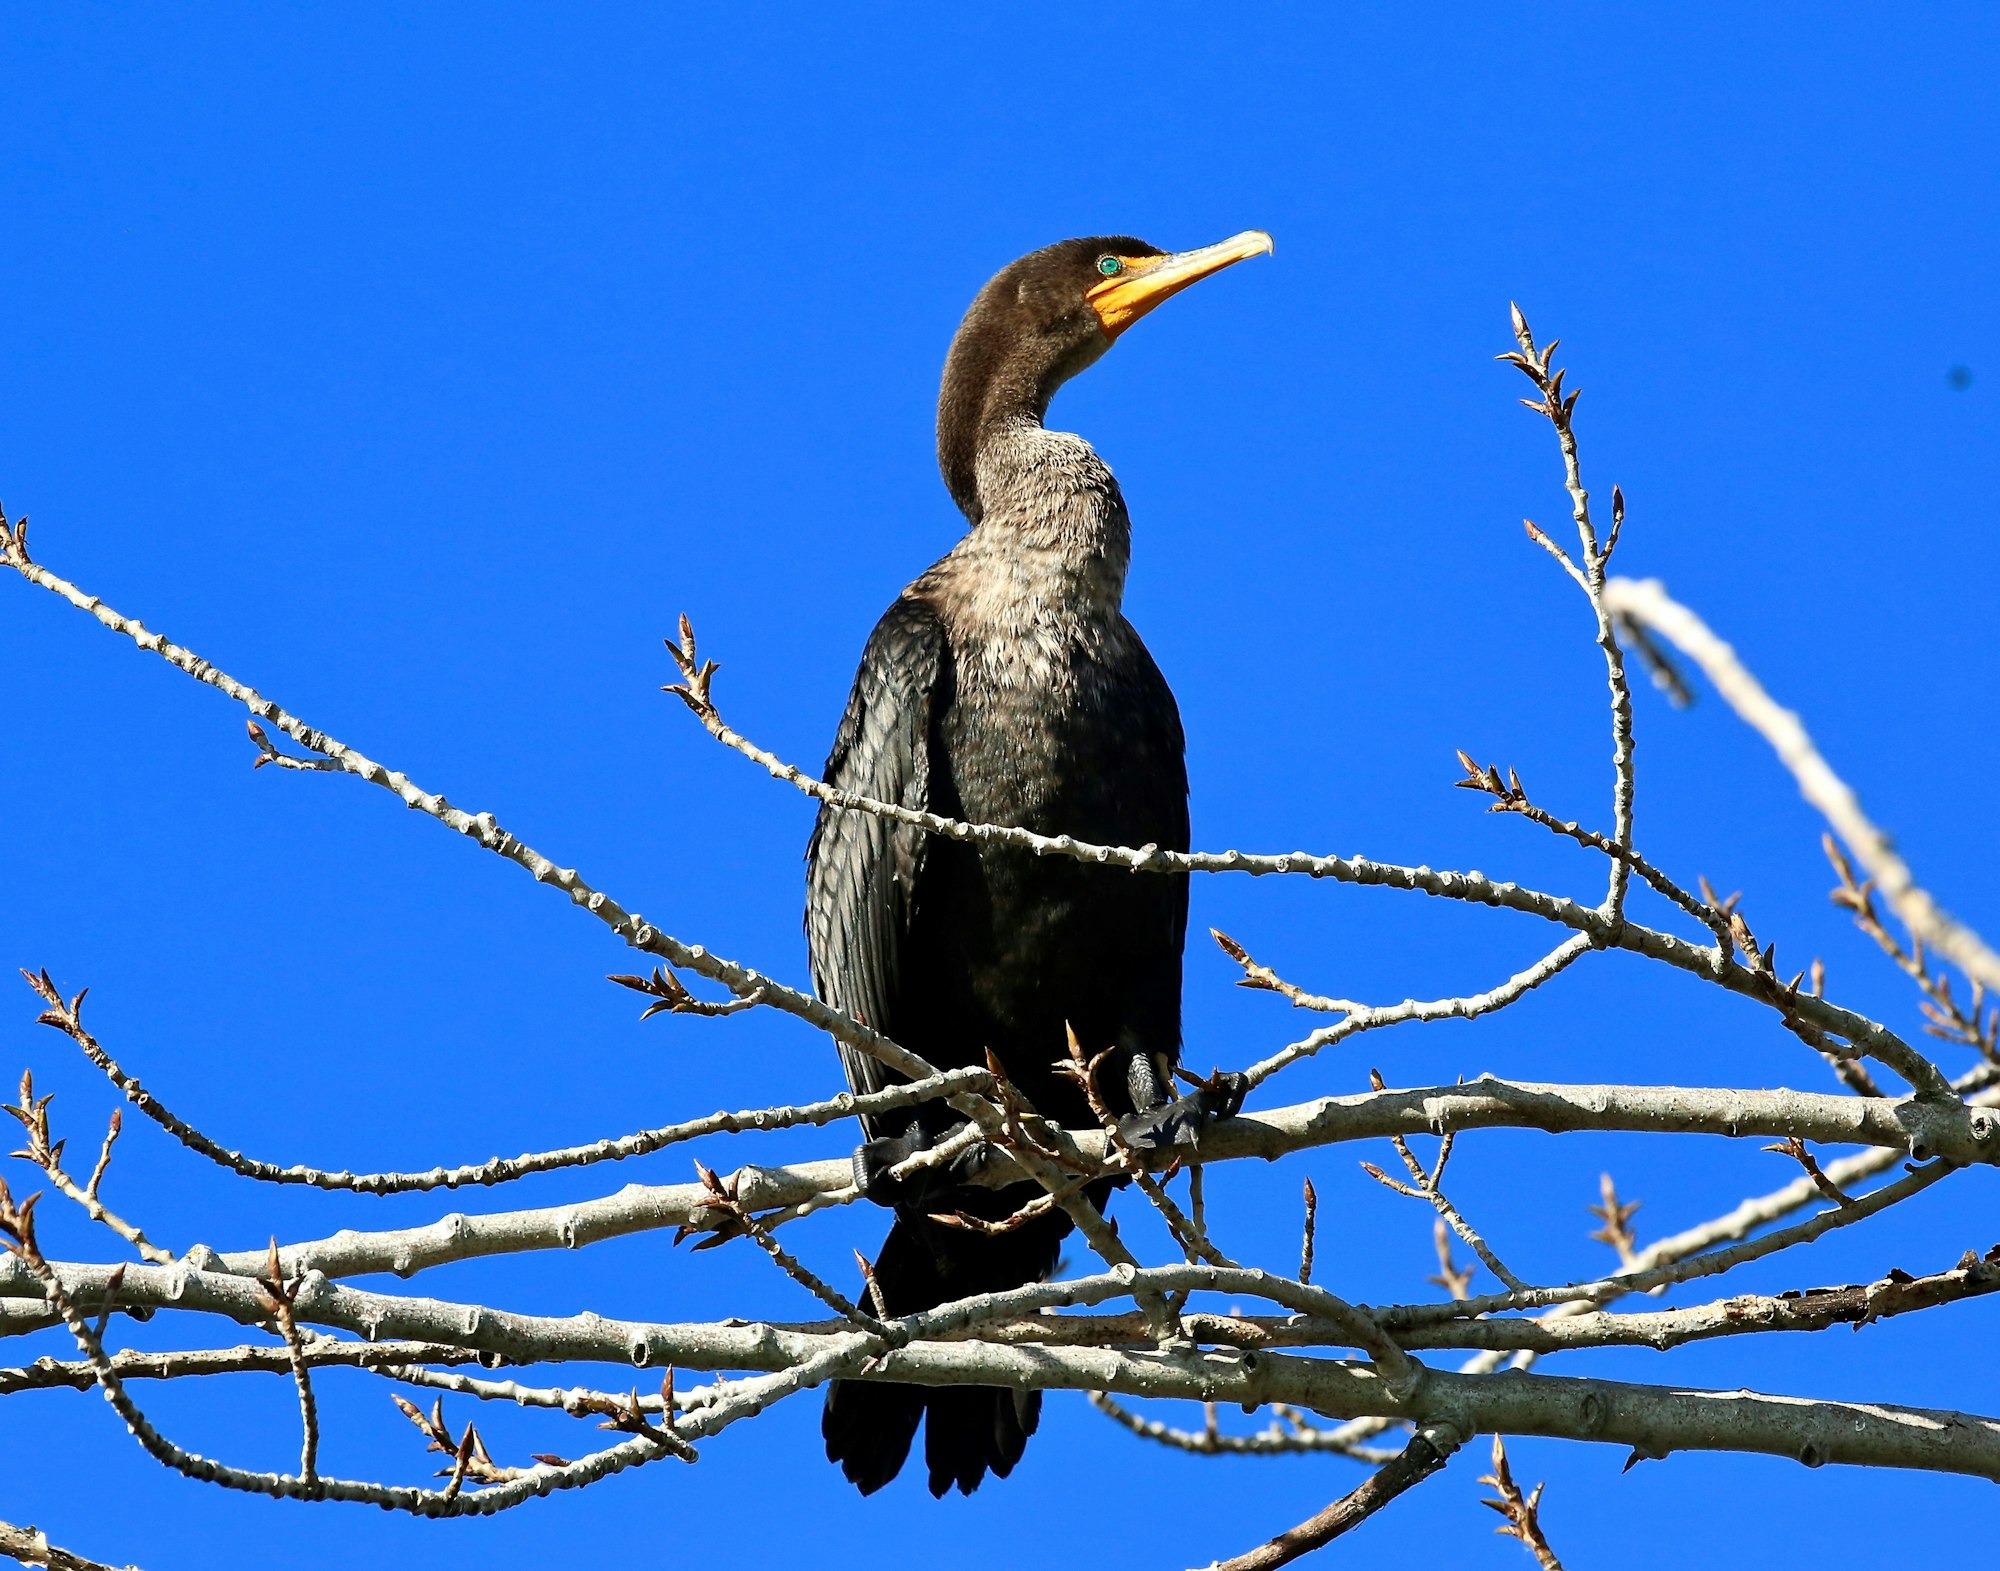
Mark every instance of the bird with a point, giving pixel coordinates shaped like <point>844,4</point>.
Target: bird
<point>1005,686</point>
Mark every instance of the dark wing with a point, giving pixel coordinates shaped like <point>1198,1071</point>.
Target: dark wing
<point>861,870</point>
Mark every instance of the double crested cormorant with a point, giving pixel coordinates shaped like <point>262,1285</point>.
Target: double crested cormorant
<point>1005,686</point>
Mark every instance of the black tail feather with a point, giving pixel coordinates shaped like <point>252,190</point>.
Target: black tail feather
<point>970,1431</point>
<point>976,1429</point>
<point>868,1426</point>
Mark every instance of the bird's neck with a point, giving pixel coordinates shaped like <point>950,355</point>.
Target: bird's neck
<point>996,391</point>
<point>1052,523</point>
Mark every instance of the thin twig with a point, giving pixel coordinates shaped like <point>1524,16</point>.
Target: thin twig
<point>17,1230</point>
<point>1511,797</point>
<point>279,1297</point>
<point>1687,1269</point>
<point>1522,1512</point>
<point>1599,927</point>
<point>495,1170</point>
<point>1970,1026</point>
<point>723,1198</point>
<point>1795,1148</point>
<point>1467,1007</point>
<point>1263,979</point>
<point>1559,409</point>
<point>1311,1226</point>
<point>318,1352</point>
<point>1429,1449</point>
<point>33,1115</point>
<point>1423,1185</point>
<point>1452,1277</point>
<point>1274,1440</point>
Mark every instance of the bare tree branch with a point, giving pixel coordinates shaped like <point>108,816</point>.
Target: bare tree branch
<point>1510,797</point>
<point>1129,1330</point>
<point>17,1228</point>
<point>319,1352</point>
<point>1918,1127</point>
<point>1684,1268</point>
<point>481,828</point>
<point>1603,928</point>
<point>1538,365</point>
<point>495,1170</point>
<point>1647,602</point>
<point>1469,1007</point>
<point>1651,1418</point>
<point>31,1547</point>
<point>278,1296</point>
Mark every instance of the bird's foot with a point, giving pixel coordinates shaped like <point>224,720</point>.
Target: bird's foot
<point>875,1159</point>
<point>1182,1121</point>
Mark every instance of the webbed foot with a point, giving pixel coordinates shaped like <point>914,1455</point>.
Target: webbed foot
<point>874,1159</point>
<point>1181,1122</point>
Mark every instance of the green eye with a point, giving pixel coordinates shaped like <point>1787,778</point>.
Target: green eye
<point>1110,266</point>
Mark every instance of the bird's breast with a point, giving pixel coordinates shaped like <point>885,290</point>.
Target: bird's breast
<point>1041,723</point>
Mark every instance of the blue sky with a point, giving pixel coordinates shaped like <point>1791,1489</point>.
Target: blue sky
<point>421,368</point>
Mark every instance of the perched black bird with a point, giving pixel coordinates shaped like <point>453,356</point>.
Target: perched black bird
<point>1005,686</point>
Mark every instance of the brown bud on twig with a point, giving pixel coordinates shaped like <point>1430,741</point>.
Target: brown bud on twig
<point>1522,1512</point>
<point>1616,1216</point>
<point>873,1287</point>
<point>17,1224</point>
<point>1387,1182</point>
<point>14,538</point>
<point>696,674</point>
<point>1617,525</point>
<point>1306,1248</point>
<point>675,999</point>
<point>112,1284</point>
<point>461,1460</point>
<point>1713,901</point>
<point>1795,1148</point>
<point>1508,794</point>
<point>1452,1277</point>
<point>104,1156</point>
<point>1256,976</point>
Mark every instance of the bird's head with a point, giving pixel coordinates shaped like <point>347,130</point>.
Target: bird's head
<point>1042,319</point>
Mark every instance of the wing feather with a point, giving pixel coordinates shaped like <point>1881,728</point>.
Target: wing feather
<point>862,870</point>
